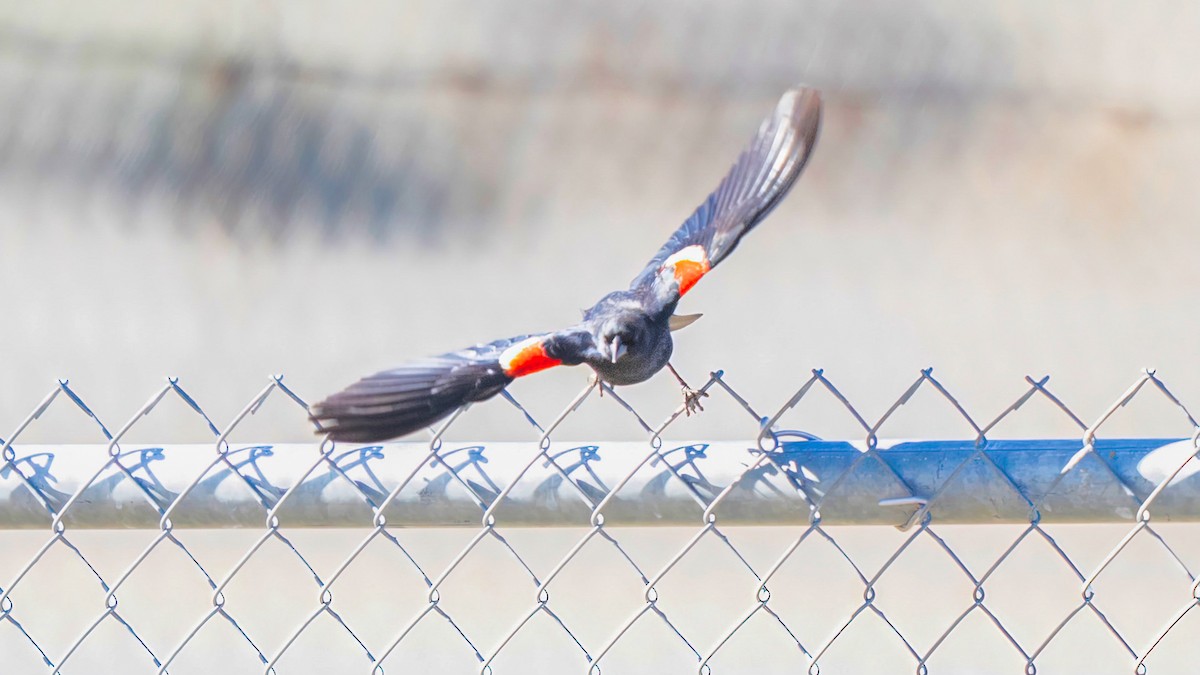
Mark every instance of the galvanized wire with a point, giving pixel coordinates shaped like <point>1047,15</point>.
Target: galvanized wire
<point>916,503</point>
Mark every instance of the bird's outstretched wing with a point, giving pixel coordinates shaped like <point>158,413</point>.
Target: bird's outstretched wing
<point>402,400</point>
<point>759,179</point>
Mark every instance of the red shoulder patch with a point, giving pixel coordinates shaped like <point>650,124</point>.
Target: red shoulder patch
<point>526,357</point>
<point>688,265</point>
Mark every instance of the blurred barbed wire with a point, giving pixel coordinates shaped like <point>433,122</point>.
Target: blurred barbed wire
<point>184,185</point>
<point>270,133</point>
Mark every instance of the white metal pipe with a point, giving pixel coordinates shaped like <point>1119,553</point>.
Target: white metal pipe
<point>1006,481</point>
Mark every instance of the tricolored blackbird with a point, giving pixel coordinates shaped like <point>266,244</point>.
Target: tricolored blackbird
<point>626,336</point>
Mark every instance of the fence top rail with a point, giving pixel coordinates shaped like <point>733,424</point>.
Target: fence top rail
<point>627,483</point>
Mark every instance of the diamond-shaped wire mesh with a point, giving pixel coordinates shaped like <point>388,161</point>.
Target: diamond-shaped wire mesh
<point>549,556</point>
<point>778,554</point>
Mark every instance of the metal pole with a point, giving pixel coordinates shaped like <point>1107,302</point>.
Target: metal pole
<point>839,482</point>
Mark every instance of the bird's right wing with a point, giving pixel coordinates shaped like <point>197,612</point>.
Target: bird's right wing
<point>402,400</point>
<point>758,180</point>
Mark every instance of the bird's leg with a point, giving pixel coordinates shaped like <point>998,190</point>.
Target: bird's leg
<point>594,381</point>
<point>691,397</point>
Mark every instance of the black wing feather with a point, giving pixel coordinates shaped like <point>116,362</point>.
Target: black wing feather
<point>758,180</point>
<point>402,400</point>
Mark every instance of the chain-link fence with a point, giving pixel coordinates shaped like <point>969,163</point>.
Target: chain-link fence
<point>171,175</point>
<point>622,557</point>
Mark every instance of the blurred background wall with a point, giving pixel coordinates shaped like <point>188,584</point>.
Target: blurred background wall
<point>224,190</point>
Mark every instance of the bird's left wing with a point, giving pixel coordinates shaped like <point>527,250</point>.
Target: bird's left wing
<point>758,180</point>
<point>402,400</point>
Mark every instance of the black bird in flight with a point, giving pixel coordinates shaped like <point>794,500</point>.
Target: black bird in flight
<point>626,336</point>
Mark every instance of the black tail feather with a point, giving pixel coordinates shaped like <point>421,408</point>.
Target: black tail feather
<point>400,401</point>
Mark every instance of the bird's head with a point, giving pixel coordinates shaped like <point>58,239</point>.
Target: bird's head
<point>616,345</point>
<point>619,337</point>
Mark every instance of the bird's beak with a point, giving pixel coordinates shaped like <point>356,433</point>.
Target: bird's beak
<point>618,349</point>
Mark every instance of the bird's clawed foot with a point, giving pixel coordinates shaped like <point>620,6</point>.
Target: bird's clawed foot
<point>691,400</point>
<point>691,397</point>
